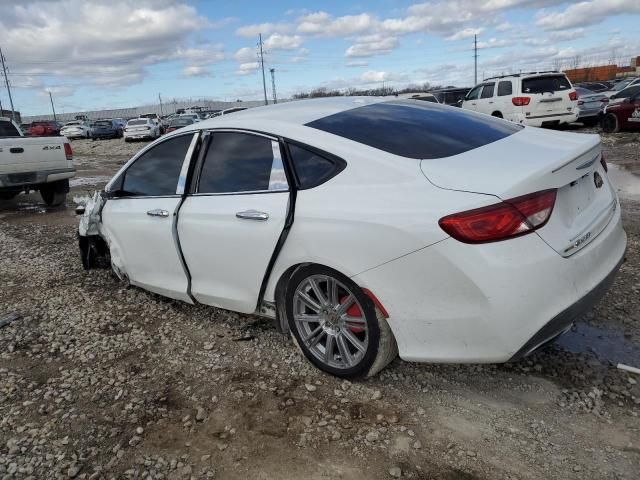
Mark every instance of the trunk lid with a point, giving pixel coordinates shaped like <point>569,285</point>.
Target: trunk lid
<point>533,160</point>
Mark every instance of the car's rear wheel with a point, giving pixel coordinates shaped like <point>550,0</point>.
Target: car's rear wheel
<point>610,123</point>
<point>336,325</point>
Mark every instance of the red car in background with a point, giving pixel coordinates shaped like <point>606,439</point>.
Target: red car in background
<point>45,129</point>
<point>623,115</point>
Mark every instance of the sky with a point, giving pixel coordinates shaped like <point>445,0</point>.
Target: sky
<point>95,54</point>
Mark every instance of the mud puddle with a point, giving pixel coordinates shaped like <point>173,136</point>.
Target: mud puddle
<point>626,183</point>
<point>608,344</point>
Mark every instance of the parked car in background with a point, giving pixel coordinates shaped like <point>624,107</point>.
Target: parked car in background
<point>24,128</point>
<point>42,163</point>
<point>232,110</point>
<point>76,129</point>
<point>193,116</point>
<point>622,115</point>
<point>537,99</point>
<point>628,92</point>
<point>450,96</point>
<point>177,123</point>
<point>590,105</point>
<point>105,129</point>
<point>389,226</point>
<point>618,87</point>
<point>141,129</point>
<point>593,86</point>
<point>156,118</point>
<point>423,96</point>
<point>45,128</point>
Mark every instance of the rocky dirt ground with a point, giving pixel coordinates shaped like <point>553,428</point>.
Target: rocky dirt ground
<point>102,381</point>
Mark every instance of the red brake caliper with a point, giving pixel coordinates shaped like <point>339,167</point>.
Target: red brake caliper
<point>353,311</point>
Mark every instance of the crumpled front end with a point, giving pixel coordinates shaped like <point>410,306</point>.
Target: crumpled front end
<point>94,246</point>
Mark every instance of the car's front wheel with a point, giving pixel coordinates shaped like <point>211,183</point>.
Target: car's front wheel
<point>609,123</point>
<point>336,325</point>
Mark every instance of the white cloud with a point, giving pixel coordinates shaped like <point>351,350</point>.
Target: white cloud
<point>324,25</point>
<point>282,42</point>
<point>586,13</point>
<point>251,31</point>
<point>465,33</point>
<point>245,55</point>
<point>196,71</point>
<point>247,68</point>
<point>373,76</point>
<point>357,63</point>
<point>371,45</point>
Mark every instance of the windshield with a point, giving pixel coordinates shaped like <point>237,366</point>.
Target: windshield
<point>548,83</point>
<point>621,85</point>
<point>7,129</point>
<point>137,122</point>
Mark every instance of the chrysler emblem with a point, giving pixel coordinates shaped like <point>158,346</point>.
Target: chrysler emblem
<point>597,179</point>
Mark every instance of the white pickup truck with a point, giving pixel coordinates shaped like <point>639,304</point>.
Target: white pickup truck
<point>34,163</point>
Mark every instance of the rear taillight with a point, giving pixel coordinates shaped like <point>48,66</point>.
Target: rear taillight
<point>511,218</point>
<point>603,162</point>
<point>573,96</point>
<point>520,101</point>
<point>68,152</point>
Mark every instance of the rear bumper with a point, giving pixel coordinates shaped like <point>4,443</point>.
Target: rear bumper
<point>453,302</point>
<point>23,179</point>
<point>563,321</point>
<point>539,120</point>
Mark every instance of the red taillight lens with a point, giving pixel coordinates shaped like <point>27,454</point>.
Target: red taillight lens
<point>68,152</point>
<point>603,162</point>
<point>511,218</point>
<point>573,96</point>
<point>520,101</point>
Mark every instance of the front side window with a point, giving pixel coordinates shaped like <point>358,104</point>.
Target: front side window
<point>474,93</point>
<point>487,90</point>
<point>242,162</point>
<point>505,88</point>
<point>156,172</point>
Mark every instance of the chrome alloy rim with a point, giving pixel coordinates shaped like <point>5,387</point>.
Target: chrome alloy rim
<point>330,321</point>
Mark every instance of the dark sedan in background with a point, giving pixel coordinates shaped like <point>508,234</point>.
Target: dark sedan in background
<point>106,129</point>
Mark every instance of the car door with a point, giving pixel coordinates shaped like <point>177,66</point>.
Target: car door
<point>629,116</point>
<point>485,103</point>
<point>139,218</point>
<point>231,221</point>
<point>503,102</point>
<point>470,102</point>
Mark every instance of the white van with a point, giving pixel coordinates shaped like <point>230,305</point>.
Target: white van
<point>537,99</point>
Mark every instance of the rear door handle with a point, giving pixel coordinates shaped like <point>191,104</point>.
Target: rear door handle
<point>158,213</point>
<point>253,215</point>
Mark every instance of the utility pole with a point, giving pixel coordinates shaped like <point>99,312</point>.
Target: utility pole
<point>6,81</point>
<point>475,59</point>
<point>264,82</point>
<point>52,107</point>
<point>161,112</point>
<point>273,84</point>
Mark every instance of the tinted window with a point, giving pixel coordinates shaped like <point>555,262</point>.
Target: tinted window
<point>8,130</point>
<point>156,172</point>
<point>312,168</point>
<point>237,162</point>
<point>416,129</point>
<point>504,88</point>
<point>548,83</point>
<point>474,93</point>
<point>628,92</point>
<point>487,90</point>
<point>138,122</point>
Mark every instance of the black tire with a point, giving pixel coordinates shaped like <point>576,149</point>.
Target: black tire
<point>381,345</point>
<point>609,123</point>
<point>52,195</point>
<point>589,122</point>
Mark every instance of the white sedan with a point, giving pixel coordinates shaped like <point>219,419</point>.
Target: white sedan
<point>369,227</point>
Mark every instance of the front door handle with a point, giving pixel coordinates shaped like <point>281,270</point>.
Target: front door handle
<point>158,213</point>
<point>253,215</point>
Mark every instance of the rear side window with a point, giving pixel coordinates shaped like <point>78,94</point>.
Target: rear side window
<point>420,130</point>
<point>548,83</point>
<point>487,90</point>
<point>8,130</point>
<point>156,172</point>
<point>313,168</point>
<point>504,88</point>
<point>241,162</point>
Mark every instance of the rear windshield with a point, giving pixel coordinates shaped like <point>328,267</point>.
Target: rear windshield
<point>548,83</point>
<point>137,122</point>
<point>104,123</point>
<point>8,130</point>
<point>181,122</point>
<point>415,129</point>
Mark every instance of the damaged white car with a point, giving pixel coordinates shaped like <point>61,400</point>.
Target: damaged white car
<point>369,227</point>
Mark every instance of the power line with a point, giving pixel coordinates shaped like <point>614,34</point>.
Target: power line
<point>273,84</point>
<point>475,59</point>
<point>264,82</point>
<point>6,81</point>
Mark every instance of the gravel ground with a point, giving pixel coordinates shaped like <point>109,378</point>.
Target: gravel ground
<point>102,381</point>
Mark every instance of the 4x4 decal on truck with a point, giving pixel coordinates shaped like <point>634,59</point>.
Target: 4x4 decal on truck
<point>51,147</point>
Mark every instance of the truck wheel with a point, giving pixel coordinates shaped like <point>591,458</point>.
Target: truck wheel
<point>55,193</point>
